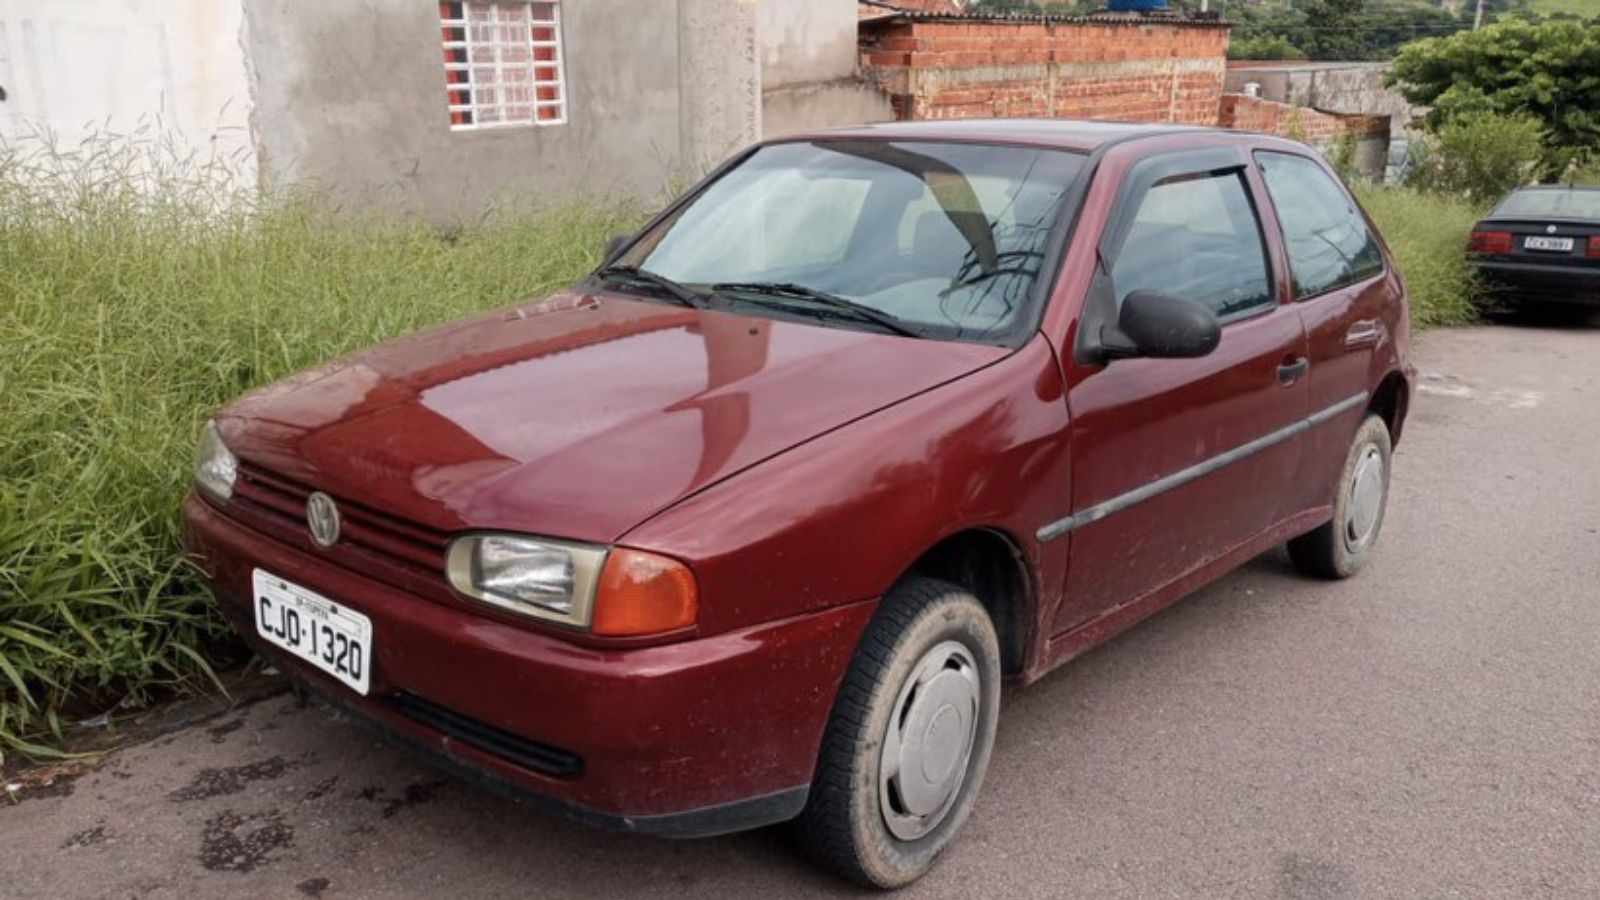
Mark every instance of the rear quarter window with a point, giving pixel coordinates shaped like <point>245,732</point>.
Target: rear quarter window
<point>1324,233</point>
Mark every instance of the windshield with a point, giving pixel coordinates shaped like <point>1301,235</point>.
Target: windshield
<point>948,239</point>
<point>1557,203</point>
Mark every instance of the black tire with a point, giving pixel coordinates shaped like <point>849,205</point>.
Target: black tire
<point>1340,548</point>
<point>845,826</point>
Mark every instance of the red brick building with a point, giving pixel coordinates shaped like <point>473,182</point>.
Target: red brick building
<point>937,62</point>
<point>1142,67</point>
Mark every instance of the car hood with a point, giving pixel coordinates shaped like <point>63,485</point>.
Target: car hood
<point>578,416</point>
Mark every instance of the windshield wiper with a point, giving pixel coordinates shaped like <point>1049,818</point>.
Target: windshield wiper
<point>637,276</point>
<point>830,303</point>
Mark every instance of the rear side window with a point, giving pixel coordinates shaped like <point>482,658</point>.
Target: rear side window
<point>1326,236</point>
<point>1197,238</point>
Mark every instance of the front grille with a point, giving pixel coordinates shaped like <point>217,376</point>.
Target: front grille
<point>528,754</point>
<point>404,552</point>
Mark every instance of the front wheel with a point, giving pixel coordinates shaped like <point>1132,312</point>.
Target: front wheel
<point>909,738</point>
<point>1340,548</point>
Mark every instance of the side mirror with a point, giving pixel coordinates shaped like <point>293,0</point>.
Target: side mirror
<point>614,246</point>
<point>1161,326</point>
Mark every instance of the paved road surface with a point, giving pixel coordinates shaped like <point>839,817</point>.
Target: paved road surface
<point>1430,729</point>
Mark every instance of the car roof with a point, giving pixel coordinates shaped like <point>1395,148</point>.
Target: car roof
<point>1067,134</point>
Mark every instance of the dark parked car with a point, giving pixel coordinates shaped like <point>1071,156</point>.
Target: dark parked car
<point>1541,245</point>
<point>750,525</point>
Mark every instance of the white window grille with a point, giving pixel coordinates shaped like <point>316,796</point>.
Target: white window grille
<point>503,63</point>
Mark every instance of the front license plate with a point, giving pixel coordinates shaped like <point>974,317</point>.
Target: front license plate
<point>1561,245</point>
<point>329,635</point>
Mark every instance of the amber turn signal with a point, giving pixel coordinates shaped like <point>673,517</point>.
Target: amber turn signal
<point>642,593</point>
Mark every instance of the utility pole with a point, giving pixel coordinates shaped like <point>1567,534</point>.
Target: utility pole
<point>1478,21</point>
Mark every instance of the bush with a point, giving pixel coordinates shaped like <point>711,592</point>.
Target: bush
<point>142,292</point>
<point>1479,157</point>
<point>1550,70</point>
<point>1428,236</point>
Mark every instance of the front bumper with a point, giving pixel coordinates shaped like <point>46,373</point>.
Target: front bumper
<point>1578,285</point>
<point>690,739</point>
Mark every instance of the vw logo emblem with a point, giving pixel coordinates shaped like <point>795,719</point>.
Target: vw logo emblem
<point>322,516</point>
<point>1551,229</point>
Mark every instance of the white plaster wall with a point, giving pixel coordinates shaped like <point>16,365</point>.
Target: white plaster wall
<point>807,41</point>
<point>77,67</point>
<point>720,79</point>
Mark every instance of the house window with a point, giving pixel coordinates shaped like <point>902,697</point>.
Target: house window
<point>503,64</point>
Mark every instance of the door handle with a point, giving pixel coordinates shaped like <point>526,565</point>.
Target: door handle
<point>1293,370</point>
<point>1362,334</point>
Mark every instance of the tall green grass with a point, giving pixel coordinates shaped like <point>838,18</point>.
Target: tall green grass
<point>1428,235</point>
<point>139,291</point>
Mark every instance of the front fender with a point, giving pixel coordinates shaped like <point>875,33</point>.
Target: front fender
<point>841,517</point>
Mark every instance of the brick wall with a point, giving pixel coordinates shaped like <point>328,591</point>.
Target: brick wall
<point>1299,122</point>
<point>1110,68</point>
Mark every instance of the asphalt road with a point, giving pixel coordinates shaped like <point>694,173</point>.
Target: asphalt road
<point>1430,729</point>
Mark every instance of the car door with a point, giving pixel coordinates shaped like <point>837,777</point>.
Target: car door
<point>1337,281</point>
<point>1176,462</point>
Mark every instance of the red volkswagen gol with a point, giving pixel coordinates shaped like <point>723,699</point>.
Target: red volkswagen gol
<point>750,525</point>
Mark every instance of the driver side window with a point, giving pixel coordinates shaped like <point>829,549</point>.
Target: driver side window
<point>1197,238</point>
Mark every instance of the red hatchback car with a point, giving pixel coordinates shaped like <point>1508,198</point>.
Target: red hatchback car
<point>750,525</point>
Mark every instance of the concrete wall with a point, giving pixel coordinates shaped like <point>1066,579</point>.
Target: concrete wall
<point>809,58</point>
<point>1354,88</point>
<point>1332,87</point>
<point>1369,134</point>
<point>77,67</point>
<point>807,41</point>
<point>351,97</point>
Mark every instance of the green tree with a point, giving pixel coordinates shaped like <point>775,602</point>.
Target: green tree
<point>1263,47</point>
<point>1549,70</point>
<point>1338,29</point>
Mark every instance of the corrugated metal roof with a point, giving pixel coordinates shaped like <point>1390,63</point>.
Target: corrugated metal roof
<point>891,12</point>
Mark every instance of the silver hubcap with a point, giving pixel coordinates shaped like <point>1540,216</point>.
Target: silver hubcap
<point>1366,499</point>
<point>929,741</point>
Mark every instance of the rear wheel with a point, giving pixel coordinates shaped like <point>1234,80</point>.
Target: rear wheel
<point>1340,548</point>
<point>909,738</point>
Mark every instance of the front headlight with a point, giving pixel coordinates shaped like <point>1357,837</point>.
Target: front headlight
<point>215,468</point>
<point>552,580</point>
<point>612,593</point>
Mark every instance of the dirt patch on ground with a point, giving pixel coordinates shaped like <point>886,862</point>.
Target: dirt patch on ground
<point>41,782</point>
<point>414,795</point>
<point>322,788</point>
<point>209,783</point>
<point>86,838</point>
<point>235,843</point>
<point>220,733</point>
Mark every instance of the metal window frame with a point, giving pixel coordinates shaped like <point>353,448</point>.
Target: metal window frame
<point>471,86</point>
